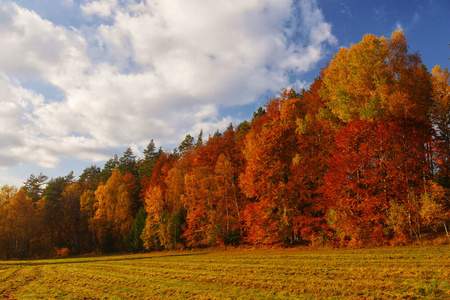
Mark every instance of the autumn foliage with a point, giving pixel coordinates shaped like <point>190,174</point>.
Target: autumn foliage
<point>360,158</point>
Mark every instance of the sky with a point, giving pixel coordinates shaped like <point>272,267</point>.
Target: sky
<point>82,80</point>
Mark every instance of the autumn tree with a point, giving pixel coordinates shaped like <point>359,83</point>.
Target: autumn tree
<point>212,198</point>
<point>163,203</point>
<point>440,116</point>
<point>374,166</point>
<point>17,226</point>
<point>316,137</point>
<point>7,193</point>
<point>375,79</point>
<point>433,211</point>
<point>145,168</point>
<point>204,225</point>
<point>154,206</point>
<point>272,178</point>
<point>380,95</point>
<point>174,217</point>
<point>113,218</point>
<point>228,195</point>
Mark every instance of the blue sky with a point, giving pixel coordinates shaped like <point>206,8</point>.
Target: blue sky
<point>81,80</point>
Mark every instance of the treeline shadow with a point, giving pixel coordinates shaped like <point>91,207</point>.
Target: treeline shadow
<point>92,259</point>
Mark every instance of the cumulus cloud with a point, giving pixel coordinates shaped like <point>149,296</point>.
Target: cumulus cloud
<point>38,49</point>
<point>155,70</point>
<point>102,8</point>
<point>21,138</point>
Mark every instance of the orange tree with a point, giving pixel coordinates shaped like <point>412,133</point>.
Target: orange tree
<point>381,96</point>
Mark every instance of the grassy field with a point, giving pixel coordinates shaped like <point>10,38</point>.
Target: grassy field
<point>400,273</point>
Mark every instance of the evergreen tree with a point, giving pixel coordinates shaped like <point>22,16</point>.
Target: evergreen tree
<point>33,186</point>
<point>91,176</point>
<point>110,165</point>
<point>127,163</point>
<point>200,139</point>
<point>186,144</point>
<point>134,241</point>
<point>259,113</point>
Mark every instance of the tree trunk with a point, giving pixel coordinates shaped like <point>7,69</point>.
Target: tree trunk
<point>446,231</point>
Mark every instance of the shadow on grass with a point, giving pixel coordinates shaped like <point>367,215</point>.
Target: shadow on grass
<point>93,259</point>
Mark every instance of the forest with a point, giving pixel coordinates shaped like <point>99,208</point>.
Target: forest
<point>359,159</point>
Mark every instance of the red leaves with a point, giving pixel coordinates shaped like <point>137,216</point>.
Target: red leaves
<point>374,165</point>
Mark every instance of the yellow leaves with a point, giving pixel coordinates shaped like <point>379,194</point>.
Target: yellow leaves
<point>441,88</point>
<point>114,212</point>
<point>88,204</point>
<point>17,224</point>
<point>175,186</point>
<point>303,124</point>
<point>7,193</point>
<point>440,76</point>
<point>353,77</point>
<point>154,204</point>
<point>376,78</point>
<point>433,211</point>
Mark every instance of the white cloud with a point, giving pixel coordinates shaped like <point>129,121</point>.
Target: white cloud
<point>398,26</point>
<point>157,70</point>
<point>9,180</point>
<point>102,8</point>
<point>22,139</point>
<point>38,49</point>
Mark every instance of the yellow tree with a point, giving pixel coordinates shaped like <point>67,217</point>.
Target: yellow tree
<point>154,206</point>
<point>433,211</point>
<point>228,195</point>
<point>7,193</point>
<point>88,204</point>
<point>17,226</point>
<point>113,217</point>
<point>377,78</point>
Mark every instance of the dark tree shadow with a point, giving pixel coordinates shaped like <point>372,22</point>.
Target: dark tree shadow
<point>92,259</point>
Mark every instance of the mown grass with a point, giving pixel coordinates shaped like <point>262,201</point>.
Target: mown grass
<point>400,273</point>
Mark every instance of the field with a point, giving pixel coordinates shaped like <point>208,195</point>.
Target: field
<point>386,273</point>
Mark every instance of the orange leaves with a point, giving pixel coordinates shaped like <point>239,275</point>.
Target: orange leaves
<point>200,197</point>
<point>374,164</point>
<point>273,177</point>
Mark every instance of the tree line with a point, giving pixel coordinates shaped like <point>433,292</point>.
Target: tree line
<point>360,158</point>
